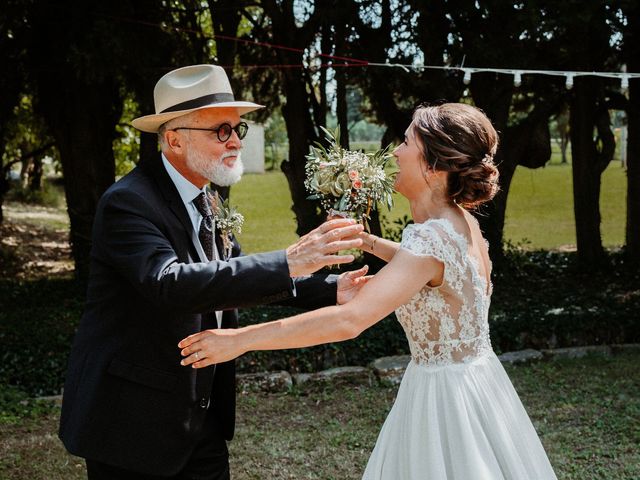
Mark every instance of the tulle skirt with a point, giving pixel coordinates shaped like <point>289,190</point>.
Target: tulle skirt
<point>458,422</point>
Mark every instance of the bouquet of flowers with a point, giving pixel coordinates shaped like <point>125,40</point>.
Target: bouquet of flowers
<point>348,183</point>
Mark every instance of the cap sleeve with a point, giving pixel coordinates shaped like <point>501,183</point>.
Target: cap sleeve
<point>424,240</point>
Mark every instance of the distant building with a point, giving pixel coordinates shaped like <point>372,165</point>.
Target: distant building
<point>253,148</point>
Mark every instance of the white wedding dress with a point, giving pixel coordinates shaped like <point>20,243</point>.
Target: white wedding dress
<point>457,415</point>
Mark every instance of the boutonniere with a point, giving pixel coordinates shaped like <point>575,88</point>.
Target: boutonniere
<point>228,220</point>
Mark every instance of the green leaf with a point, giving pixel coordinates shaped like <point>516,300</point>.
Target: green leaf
<point>344,200</point>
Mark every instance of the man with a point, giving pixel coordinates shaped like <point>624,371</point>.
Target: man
<point>129,408</point>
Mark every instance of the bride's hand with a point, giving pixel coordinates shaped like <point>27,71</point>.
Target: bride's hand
<point>210,347</point>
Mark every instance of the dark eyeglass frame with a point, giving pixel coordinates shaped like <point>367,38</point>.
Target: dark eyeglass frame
<point>241,130</point>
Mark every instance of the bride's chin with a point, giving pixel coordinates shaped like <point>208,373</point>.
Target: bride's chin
<point>399,187</point>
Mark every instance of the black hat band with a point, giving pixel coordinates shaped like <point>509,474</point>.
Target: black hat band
<point>201,102</point>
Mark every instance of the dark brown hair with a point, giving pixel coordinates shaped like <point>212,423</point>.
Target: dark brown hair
<point>459,139</point>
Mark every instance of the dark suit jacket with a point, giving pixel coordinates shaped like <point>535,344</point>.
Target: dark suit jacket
<point>127,400</point>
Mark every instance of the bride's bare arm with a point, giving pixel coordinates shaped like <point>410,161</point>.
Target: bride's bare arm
<point>393,286</point>
<point>378,246</point>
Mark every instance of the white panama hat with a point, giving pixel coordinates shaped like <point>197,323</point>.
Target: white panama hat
<point>188,89</point>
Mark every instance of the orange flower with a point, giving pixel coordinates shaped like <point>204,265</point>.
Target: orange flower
<point>357,184</point>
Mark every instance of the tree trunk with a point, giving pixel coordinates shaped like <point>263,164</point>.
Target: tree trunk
<point>342,107</point>
<point>632,43</point>
<point>297,111</point>
<point>562,130</point>
<point>633,173</point>
<point>564,144</point>
<point>4,188</point>
<point>586,175</point>
<point>225,17</point>
<point>25,167</point>
<point>326,43</point>
<point>35,176</point>
<point>79,98</point>
<point>12,82</point>
<point>301,133</point>
<point>82,119</point>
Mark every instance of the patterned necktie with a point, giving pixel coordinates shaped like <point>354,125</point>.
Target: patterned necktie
<point>205,233</point>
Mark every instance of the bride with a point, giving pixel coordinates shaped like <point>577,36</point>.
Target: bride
<point>456,415</point>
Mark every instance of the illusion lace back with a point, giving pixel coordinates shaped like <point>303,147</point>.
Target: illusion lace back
<point>456,415</point>
<point>446,324</point>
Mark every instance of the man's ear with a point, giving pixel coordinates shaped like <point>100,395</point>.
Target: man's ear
<point>174,141</point>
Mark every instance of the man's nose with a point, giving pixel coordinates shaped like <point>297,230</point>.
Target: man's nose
<point>234,142</point>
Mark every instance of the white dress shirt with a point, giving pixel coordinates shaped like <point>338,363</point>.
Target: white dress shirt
<point>188,192</point>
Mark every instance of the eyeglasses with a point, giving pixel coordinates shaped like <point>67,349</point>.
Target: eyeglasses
<point>223,131</point>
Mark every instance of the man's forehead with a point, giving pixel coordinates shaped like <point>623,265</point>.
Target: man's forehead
<point>217,115</point>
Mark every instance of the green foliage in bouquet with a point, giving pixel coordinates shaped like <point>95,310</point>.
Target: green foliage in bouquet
<point>347,181</point>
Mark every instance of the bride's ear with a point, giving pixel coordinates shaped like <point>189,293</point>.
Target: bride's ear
<point>428,172</point>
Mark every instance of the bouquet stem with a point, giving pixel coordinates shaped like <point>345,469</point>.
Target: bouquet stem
<point>365,218</point>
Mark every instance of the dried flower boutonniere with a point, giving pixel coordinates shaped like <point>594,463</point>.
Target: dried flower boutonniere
<point>228,220</point>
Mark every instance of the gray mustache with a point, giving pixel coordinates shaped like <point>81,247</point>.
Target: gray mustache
<point>232,153</point>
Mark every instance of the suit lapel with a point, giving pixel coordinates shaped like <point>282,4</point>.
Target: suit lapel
<point>155,168</point>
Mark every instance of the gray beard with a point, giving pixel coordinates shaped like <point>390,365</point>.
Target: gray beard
<point>215,170</point>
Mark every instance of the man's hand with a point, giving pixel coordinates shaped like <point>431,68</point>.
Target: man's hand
<point>315,249</point>
<point>350,283</point>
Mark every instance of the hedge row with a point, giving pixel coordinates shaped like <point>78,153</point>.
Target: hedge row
<point>540,300</point>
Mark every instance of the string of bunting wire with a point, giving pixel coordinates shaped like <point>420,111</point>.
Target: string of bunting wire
<point>624,77</point>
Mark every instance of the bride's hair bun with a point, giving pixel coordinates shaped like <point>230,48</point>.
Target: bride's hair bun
<point>459,139</point>
<point>475,184</point>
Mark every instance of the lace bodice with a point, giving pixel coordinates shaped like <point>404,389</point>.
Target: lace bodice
<point>446,324</point>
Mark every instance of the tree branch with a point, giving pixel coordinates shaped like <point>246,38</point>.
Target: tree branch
<point>23,157</point>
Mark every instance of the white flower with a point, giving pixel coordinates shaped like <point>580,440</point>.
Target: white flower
<point>228,220</point>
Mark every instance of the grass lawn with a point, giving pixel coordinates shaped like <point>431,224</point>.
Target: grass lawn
<point>586,411</point>
<point>540,206</point>
<point>540,209</point>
